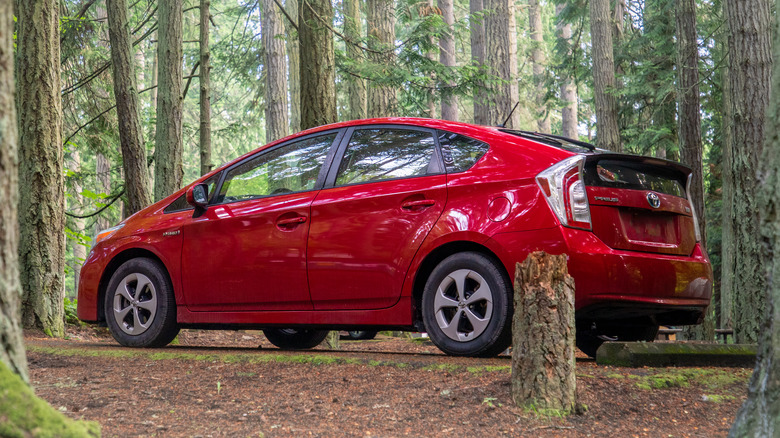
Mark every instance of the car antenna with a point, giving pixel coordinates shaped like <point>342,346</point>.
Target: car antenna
<point>503,125</point>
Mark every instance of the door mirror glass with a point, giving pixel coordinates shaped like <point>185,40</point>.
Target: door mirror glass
<point>198,196</point>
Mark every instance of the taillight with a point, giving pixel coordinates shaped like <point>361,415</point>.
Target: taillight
<point>693,209</point>
<point>564,189</point>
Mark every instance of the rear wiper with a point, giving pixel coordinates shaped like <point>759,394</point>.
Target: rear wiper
<point>555,140</point>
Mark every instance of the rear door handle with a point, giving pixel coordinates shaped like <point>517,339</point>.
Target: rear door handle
<point>421,203</point>
<point>292,221</point>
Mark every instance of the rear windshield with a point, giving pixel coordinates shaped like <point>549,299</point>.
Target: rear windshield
<point>636,176</point>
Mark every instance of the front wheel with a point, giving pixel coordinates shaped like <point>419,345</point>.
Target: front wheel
<point>466,306</point>
<point>295,339</point>
<point>139,306</point>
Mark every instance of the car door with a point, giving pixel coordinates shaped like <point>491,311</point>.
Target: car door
<point>248,250</point>
<point>383,194</point>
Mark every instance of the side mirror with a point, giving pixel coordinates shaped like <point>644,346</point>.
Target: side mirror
<point>198,196</point>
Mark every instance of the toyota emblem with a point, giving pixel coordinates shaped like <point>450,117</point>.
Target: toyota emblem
<point>653,200</point>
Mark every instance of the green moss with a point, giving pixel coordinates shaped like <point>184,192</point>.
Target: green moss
<point>443,367</point>
<point>682,378</point>
<point>616,376</point>
<point>489,369</point>
<point>23,415</point>
<point>716,398</point>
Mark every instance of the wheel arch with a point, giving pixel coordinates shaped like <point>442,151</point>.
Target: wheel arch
<point>114,264</point>
<point>435,257</point>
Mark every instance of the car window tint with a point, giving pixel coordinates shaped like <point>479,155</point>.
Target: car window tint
<point>459,152</point>
<point>291,168</point>
<point>180,204</point>
<point>379,154</point>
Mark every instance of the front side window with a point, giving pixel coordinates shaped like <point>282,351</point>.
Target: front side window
<point>384,153</point>
<point>288,169</point>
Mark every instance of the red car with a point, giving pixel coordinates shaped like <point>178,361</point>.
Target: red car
<point>404,224</point>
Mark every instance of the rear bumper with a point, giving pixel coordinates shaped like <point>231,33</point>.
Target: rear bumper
<point>617,284</point>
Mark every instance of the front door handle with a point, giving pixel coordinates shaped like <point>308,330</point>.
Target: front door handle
<point>420,203</point>
<point>291,221</point>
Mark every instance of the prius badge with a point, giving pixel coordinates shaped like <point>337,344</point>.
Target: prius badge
<point>653,200</point>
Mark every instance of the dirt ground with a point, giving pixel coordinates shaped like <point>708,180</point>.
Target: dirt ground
<point>218,383</point>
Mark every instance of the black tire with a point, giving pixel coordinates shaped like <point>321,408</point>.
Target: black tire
<point>589,339</point>
<point>144,316</point>
<point>493,333</point>
<point>361,335</point>
<point>295,339</point>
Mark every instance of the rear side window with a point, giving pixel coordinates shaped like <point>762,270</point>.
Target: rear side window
<point>384,153</point>
<point>636,176</point>
<point>460,152</point>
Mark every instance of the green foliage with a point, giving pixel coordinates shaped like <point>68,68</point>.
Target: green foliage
<point>70,312</point>
<point>23,415</point>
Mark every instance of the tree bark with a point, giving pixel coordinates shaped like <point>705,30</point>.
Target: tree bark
<point>727,215</point>
<point>759,416</point>
<point>432,56</point>
<point>275,66</point>
<point>538,64</point>
<point>501,60</point>
<point>168,168</point>
<point>79,250</point>
<point>449,103</point>
<point>294,67</point>
<point>42,202</point>
<point>205,89</point>
<point>607,134</point>
<point>380,21</point>
<point>569,117</point>
<point>750,60</point>
<point>543,332</point>
<point>103,173</point>
<point>318,64</point>
<point>477,35</point>
<point>356,88</point>
<point>11,343</point>
<point>131,137</point>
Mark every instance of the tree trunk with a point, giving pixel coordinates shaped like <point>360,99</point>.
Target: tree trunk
<point>750,59</point>
<point>79,250</point>
<point>11,343</point>
<point>353,29</point>
<point>477,34</point>
<point>727,215</point>
<point>432,56</point>
<point>131,137</point>
<point>382,101</point>
<point>168,168</point>
<point>607,134</point>
<point>318,64</point>
<point>569,117</point>
<point>205,89</point>
<point>538,62</point>
<point>449,104</point>
<point>501,60</point>
<point>276,122</point>
<point>294,64</point>
<point>103,173</point>
<point>42,202</point>
<point>759,416</point>
<point>543,332</point>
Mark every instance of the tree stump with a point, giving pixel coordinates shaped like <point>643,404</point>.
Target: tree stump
<point>543,332</point>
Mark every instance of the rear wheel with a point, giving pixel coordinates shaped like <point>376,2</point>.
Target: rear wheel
<point>466,306</point>
<point>140,307</point>
<point>590,338</point>
<point>295,339</point>
<point>361,335</point>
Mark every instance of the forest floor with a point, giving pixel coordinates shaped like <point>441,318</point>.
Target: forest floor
<point>218,383</point>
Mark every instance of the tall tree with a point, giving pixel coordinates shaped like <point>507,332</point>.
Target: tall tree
<point>449,103</point>
<point>759,416</point>
<point>727,219</point>
<point>168,170</point>
<point>501,60</point>
<point>205,89</point>
<point>42,202</point>
<point>11,344</point>
<point>538,61</point>
<point>380,22</point>
<point>356,88</point>
<point>569,117</point>
<point>294,66</point>
<point>477,36</point>
<point>318,64</point>
<point>750,60</point>
<point>607,134</point>
<point>275,66</point>
<point>130,135</point>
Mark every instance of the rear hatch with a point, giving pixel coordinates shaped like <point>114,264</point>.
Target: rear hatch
<point>640,203</point>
